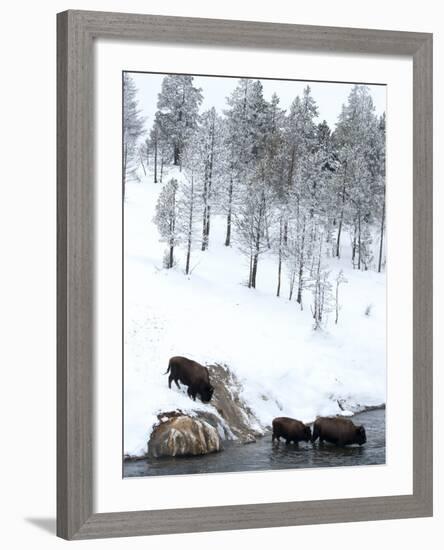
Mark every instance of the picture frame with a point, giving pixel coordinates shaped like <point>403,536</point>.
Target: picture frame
<point>76,33</point>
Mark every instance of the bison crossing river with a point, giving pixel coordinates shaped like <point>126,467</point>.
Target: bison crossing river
<point>336,430</point>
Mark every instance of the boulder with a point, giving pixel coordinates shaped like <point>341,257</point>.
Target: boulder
<point>183,436</point>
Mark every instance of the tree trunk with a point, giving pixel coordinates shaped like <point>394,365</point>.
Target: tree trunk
<point>190,228</point>
<point>359,241</point>
<point>291,168</point>
<point>338,241</point>
<point>278,292</point>
<point>381,238</point>
<point>299,296</point>
<point>230,201</point>
<point>204,218</point>
<point>256,257</point>
<point>354,244</point>
<point>161,169</point>
<point>176,155</point>
<point>301,267</point>
<point>257,243</point>
<point>210,184</point>
<point>155,160</point>
<point>172,230</point>
<point>292,280</point>
<point>254,270</point>
<point>251,269</point>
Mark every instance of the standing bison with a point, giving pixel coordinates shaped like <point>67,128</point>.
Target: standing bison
<point>191,374</point>
<point>290,429</point>
<point>339,431</point>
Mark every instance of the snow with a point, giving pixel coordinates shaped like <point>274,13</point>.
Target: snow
<point>285,367</point>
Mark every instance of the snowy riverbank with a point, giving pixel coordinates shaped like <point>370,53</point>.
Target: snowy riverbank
<point>285,367</point>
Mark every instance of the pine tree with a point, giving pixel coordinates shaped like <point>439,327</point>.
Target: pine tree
<point>255,130</point>
<point>356,138</point>
<point>166,219</point>
<point>303,187</point>
<point>189,199</point>
<point>208,134</point>
<point>321,287</point>
<point>133,129</point>
<point>245,139</point>
<point>178,109</point>
<point>380,183</point>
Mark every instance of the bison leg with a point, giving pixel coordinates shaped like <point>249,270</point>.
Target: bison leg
<point>177,383</point>
<point>170,379</point>
<point>191,393</point>
<point>315,434</point>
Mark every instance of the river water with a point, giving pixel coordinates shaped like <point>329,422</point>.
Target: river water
<point>262,455</point>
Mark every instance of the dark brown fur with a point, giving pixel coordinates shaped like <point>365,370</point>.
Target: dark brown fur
<point>191,374</point>
<point>339,431</point>
<point>290,429</point>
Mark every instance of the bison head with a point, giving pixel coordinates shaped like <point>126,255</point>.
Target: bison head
<point>207,393</point>
<point>361,435</point>
<point>307,433</point>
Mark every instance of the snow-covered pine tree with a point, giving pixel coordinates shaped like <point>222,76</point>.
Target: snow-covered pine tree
<point>321,287</point>
<point>379,168</point>
<point>303,186</point>
<point>273,169</point>
<point>166,219</point>
<point>243,134</point>
<point>296,253</point>
<point>252,220</point>
<point>360,212</point>
<point>358,173</point>
<point>228,188</point>
<point>255,214</point>
<point>189,199</point>
<point>209,137</point>
<point>178,110</point>
<point>300,132</point>
<point>327,166</point>
<point>133,129</point>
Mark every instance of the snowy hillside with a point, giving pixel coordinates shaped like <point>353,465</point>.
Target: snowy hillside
<point>286,368</point>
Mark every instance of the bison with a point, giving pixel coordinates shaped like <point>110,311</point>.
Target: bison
<point>290,429</point>
<point>191,374</point>
<point>339,431</point>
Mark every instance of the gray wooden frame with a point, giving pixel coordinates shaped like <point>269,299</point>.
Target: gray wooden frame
<point>76,32</point>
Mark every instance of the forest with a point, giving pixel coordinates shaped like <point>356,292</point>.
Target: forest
<point>287,185</point>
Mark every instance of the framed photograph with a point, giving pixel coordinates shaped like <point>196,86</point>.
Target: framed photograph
<point>244,275</point>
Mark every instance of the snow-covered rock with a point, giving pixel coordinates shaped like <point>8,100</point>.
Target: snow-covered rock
<point>231,406</point>
<point>183,436</point>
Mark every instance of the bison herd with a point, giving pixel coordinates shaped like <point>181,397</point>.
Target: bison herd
<point>337,430</point>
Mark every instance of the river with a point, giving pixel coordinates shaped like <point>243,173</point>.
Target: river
<point>262,455</point>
